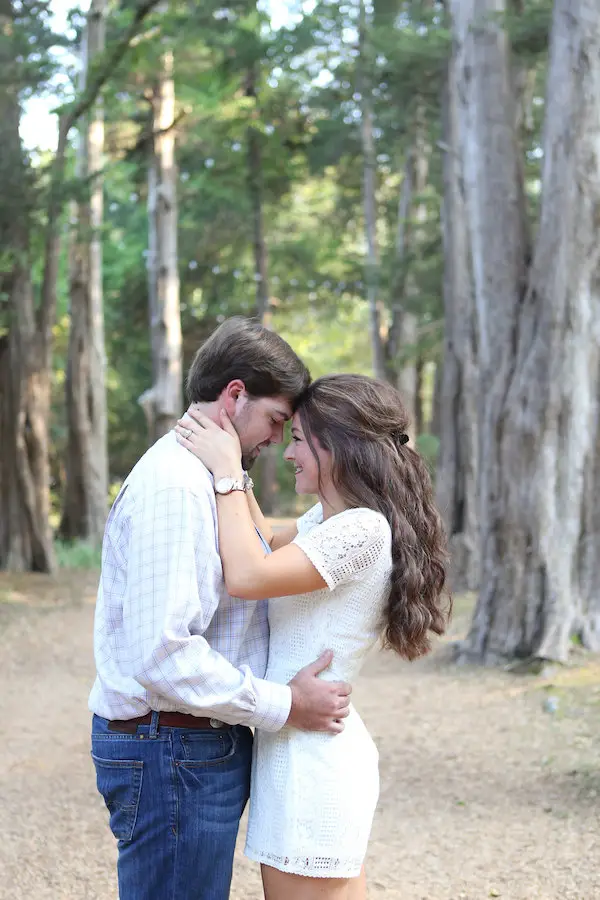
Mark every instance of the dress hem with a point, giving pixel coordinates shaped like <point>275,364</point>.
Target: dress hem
<point>299,865</point>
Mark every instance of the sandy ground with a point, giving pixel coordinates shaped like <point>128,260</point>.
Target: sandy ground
<point>486,792</point>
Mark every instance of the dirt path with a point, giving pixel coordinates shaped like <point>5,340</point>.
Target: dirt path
<point>484,792</point>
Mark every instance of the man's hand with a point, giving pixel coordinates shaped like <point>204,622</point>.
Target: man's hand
<point>318,705</point>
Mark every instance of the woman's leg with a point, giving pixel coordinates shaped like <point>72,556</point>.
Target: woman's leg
<point>357,887</point>
<point>284,886</point>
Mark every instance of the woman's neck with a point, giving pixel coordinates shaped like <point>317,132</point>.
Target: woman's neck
<point>331,502</point>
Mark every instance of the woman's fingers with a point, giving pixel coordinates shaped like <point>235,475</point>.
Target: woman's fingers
<point>227,424</point>
<point>195,414</point>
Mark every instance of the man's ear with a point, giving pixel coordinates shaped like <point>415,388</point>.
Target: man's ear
<point>230,395</point>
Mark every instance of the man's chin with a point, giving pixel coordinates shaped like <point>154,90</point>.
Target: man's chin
<point>248,460</point>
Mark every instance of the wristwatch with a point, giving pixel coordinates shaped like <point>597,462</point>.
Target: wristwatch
<point>228,485</point>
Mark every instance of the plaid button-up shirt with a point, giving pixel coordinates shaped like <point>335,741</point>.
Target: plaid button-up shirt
<point>167,636</point>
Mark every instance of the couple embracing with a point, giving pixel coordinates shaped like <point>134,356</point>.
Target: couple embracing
<point>225,653</point>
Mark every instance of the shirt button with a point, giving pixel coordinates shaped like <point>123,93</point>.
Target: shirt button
<point>215,723</point>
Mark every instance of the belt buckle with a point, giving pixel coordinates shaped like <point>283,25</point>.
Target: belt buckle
<point>216,723</point>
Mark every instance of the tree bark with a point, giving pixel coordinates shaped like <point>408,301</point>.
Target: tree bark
<point>162,402</point>
<point>25,534</point>
<point>376,311</point>
<point>26,346</point>
<point>537,340</point>
<point>407,378</point>
<point>86,488</point>
<point>456,473</point>
<point>255,191</point>
<point>587,628</point>
<point>267,463</point>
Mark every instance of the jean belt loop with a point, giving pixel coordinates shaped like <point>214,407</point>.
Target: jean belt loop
<point>154,725</point>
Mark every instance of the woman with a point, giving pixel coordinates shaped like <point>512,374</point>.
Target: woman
<point>368,561</point>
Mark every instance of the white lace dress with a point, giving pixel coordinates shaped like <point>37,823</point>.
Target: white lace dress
<point>313,796</point>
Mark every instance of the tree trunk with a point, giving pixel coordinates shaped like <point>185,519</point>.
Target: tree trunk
<point>255,191</point>
<point>538,342</point>
<point>267,463</point>
<point>86,489</point>
<point>25,534</point>
<point>376,311</point>
<point>162,402</point>
<point>587,629</point>
<point>456,473</point>
<point>420,366</point>
<point>26,346</point>
<point>408,336</point>
<point>398,291</point>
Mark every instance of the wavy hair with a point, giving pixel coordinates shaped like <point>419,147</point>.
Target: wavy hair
<point>362,422</point>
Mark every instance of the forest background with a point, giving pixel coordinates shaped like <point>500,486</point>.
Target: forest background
<point>405,189</point>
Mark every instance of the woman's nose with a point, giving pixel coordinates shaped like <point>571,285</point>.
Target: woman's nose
<point>288,453</point>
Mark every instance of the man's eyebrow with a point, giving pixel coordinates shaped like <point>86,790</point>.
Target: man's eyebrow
<point>284,415</point>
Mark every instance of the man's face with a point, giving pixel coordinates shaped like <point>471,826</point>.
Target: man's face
<point>259,422</point>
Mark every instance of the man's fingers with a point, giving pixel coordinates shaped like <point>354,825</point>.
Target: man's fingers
<point>343,689</point>
<point>320,664</point>
<point>342,712</point>
<point>227,424</point>
<point>336,728</point>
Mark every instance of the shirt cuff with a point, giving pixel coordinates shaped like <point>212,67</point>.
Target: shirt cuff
<point>273,705</point>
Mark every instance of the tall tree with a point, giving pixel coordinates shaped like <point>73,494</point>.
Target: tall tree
<point>25,534</point>
<point>86,487</point>
<point>162,402</point>
<point>376,308</point>
<point>537,329</point>
<point>256,194</point>
<point>456,473</point>
<point>407,329</point>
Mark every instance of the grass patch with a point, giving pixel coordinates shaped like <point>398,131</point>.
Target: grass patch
<point>77,555</point>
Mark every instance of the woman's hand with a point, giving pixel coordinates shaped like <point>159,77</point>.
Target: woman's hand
<point>218,447</point>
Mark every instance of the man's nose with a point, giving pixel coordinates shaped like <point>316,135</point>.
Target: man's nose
<point>277,434</point>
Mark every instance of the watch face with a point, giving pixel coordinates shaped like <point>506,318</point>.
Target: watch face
<point>224,485</point>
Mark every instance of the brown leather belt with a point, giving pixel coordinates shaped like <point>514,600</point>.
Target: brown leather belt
<point>168,719</point>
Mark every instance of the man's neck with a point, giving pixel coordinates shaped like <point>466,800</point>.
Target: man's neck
<point>210,410</point>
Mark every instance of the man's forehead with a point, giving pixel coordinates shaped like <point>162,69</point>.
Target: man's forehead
<point>279,406</point>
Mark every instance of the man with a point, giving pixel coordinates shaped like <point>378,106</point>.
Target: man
<point>179,662</point>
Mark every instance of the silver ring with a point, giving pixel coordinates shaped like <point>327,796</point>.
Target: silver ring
<point>188,434</point>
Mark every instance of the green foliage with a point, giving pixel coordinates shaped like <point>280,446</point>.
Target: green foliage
<point>428,446</point>
<point>297,90</point>
<point>77,555</point>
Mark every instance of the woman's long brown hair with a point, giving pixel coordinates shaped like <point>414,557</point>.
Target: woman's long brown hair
<point>362,422</point>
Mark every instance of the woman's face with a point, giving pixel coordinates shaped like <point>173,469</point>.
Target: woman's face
<point>307,469</point>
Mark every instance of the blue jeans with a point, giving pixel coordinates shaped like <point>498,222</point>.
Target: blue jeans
<point>175,798</point>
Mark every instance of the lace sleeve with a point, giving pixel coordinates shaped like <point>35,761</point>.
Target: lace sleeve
<point>344,547</point>
<point>314,516</point>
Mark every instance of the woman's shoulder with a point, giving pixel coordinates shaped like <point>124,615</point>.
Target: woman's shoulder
<point>356,528</point>
<point>361,516</point>
<point>312,517</point>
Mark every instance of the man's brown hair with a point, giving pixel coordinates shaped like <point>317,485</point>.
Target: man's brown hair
<point>243,348</point>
